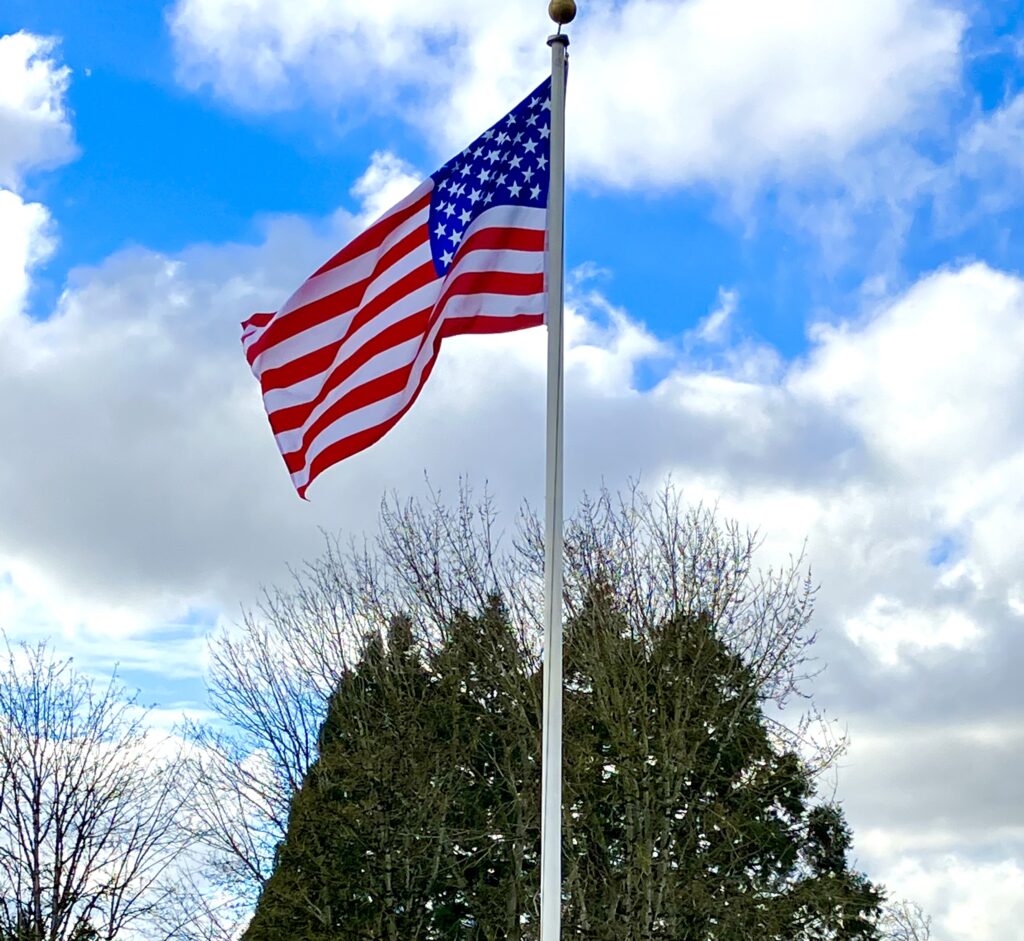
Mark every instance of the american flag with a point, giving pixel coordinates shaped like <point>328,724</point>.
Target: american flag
<point>346,356</point>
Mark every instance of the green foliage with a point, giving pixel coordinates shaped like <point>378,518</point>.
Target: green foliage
<point>684,818</point>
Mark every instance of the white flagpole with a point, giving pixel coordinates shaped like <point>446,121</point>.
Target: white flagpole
<point>562,12</point>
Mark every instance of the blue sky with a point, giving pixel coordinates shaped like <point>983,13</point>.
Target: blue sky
<point>795,234</point>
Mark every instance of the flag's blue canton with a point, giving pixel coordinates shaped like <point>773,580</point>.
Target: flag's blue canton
<point>507,165</point>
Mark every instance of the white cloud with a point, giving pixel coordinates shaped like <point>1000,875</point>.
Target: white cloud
<point>715,327</point>
<point>26,240</point>
<point>141,484</point>
<point>35,130</point>
<point>887,626</point>
<point>917,378</point>
<point>739,90</point>
<point>140,467</point>
<point>34,133</point>
<point>661,93</point>
<point>387,180</point>
<point>969,900</point>
<point>991,151</point>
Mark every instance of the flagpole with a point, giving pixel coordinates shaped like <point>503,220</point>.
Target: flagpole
<point>562,12</point>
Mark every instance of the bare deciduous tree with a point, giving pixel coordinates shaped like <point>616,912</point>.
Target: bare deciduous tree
<point>90,804</point>
<point>271,678</point>
<point>905,921</point>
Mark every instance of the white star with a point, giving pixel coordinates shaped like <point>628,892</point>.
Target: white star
<point>488,134</point>
<point>446,259</point>
<point>493,155</point>
<point>510,120</point>
<point>515,161</point>
<point>514,189</point>
<point>441,186</point>
<point>483,176</point>
<point>478,151</point>
<point>465,216</point>
<point>474,197</point>
<point>547,104</point>
<point>519,137</point>
<point>502,137</point>
<point>542,162</point>
<point>456,238</point>
<point>465,170</point>
<point>530,146</point>
<point>449,210</point>
<point>528,175</point>
<point>534,192</point>
<point>488,197</point>
<point>534,102</point>
<point>531,120</point>
<point>545,132</point>
<point>501,180</point>
<point>439,231</point>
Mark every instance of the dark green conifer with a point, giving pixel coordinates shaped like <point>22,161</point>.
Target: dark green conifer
<point>684,819</point>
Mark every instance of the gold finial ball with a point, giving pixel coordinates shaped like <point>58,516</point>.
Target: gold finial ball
<point>562,11</point>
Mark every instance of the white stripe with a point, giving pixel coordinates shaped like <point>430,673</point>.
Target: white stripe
<point>425,187</point>
<point>323,285</point>
<point>493,305</point>
<point>352,423</point>
<point>499,216</point>
<point>509,217</point>
<point>317,287</point>
<point>378,412</point>
<point>307,389</point>
<point>406,265</point>
<point>392,359</point>
<point>468,305</point>
<point>330,331</point>
<point>372,415</point>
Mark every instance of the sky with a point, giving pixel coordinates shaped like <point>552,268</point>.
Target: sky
<point>795,250</point>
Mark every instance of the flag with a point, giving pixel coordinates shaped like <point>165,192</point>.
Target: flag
<point>346,356</point>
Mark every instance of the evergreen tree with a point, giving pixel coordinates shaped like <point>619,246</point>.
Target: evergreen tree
<point>684,818</point>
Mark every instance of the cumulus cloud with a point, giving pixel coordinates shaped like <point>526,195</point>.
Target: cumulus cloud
<point>662,93</point>
<point>979,900</point>
<point>35,130</point>
<point>142,491</point>
<point>35,133</point>
<point>140,466</point>
<point>26,240</point>
<point>141,483</point>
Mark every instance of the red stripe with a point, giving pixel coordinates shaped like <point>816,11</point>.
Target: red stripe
<point>472,282</point>
<point>368,393</point>
<point>489,324</point>
<point>281,377</point>
<point>373,237</point>
<point>287,419</point>
<point>257,320</point>
<point>490,282</point>
<point>337,304</point>
<point>500,237</point>
<point>361,440</point>
<point>353,444</point>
